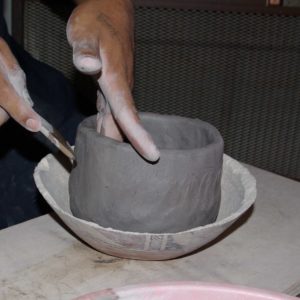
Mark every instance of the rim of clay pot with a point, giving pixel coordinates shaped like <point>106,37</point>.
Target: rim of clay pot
<point>90,128</point>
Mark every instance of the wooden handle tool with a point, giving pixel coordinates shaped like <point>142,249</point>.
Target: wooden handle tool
<point>57,139</point>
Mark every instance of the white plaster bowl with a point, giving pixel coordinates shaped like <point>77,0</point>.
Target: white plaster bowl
<point>238,194</point>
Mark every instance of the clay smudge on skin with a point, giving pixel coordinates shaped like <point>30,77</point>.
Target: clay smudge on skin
<point>17,80</point>
<point>16,100</point>
<point>125,114</point>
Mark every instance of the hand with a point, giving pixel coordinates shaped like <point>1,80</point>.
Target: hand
<point>101,34</point>
<point>14,98</point>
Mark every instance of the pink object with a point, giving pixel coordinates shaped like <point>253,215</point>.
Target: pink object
<point>185,291</point>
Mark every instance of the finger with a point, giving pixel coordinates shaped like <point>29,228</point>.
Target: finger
<point>110,128</point>
<point>118,94</point>
<point>101,110</point>
<point>3,116</point>
<point>114,85</point>
<point>106,125</point>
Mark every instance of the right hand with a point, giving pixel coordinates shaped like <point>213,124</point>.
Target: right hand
<point>15,101</point>
<point>101,34</point>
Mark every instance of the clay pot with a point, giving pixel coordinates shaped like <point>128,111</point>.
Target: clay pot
<point>116,188</point>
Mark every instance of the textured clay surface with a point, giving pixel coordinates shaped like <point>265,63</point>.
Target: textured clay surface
<point>116,188</point>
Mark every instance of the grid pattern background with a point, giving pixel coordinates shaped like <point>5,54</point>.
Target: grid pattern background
<point>238,71</point>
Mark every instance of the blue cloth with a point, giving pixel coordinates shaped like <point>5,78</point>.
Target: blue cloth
<point>20,150</point>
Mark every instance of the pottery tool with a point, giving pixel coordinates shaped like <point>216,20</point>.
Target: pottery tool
<point>51,133</point>
<point>57,139</point>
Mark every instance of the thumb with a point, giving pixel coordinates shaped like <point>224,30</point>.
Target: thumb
<point>86,57</point>
<point>82,37</point>
<point>14,98</point>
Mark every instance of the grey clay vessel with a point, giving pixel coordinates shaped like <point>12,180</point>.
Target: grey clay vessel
<point>116,188</point>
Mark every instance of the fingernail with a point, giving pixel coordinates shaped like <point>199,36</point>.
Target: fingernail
<point>33,125</point>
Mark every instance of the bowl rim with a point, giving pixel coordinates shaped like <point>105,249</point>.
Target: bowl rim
<point>217,142</point>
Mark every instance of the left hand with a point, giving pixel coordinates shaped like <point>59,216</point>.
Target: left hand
<point>15,101</point>
<point>101,34</point>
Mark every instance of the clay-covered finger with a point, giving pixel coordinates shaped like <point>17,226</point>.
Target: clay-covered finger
<point>100,104</point>
<point>120,100</point>
<point>106,125</point>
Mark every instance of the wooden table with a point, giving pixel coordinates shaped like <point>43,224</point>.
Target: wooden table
<point>41,259</point>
